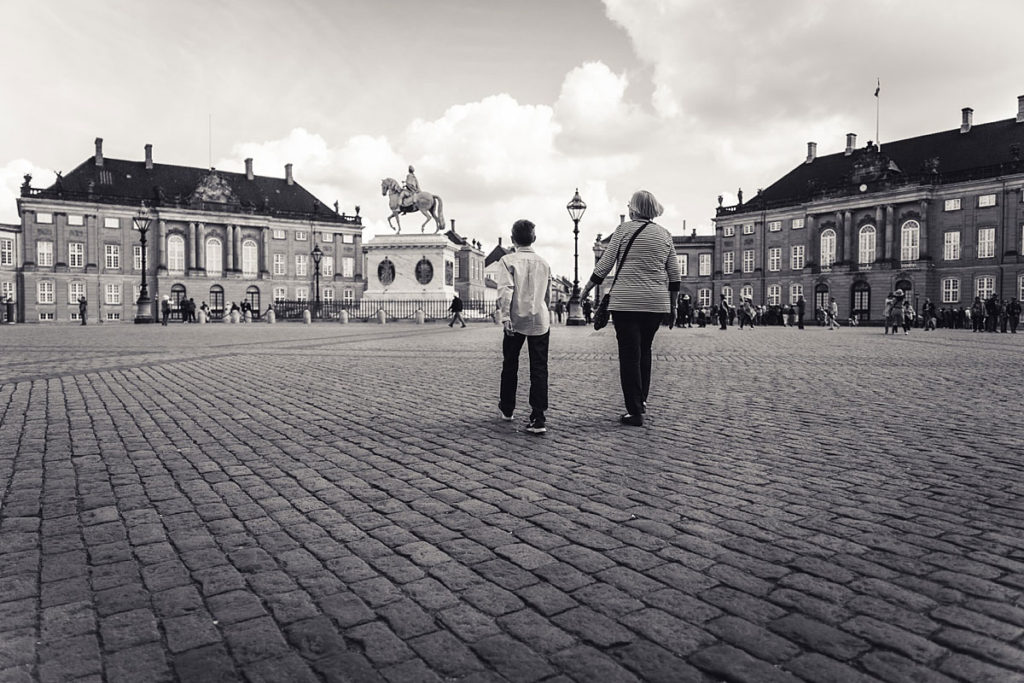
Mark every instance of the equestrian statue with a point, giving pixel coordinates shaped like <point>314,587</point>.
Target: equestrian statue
<point>408,198</point>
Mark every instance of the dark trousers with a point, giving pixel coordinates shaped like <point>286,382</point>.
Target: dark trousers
<point>537,345</point>
<point>635,332</point>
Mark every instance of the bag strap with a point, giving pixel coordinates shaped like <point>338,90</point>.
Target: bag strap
<point>618,261</point>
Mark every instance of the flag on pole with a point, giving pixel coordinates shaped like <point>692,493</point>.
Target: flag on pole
<point>878,87</point>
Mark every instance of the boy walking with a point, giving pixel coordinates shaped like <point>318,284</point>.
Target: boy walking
<point>523,298</point>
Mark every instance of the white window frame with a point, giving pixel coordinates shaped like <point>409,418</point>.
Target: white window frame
<point>176,257</point>
<point>728,230</point>
<point>728,262</point>
<point>684,264</point>
<point>348,295</point>
<point>280,294</point>
<point>748,228</point>
<point>44,292</point>
<point>214,255</point>
<point>250,258</point>
<point>76,219</point>
<point>301,236</point>
<point>280,267</point>
<point>748,260</point>
<point>746,291</point>
<point>703,297</point>
<point>327,237</point>
<point>76,289</point>
<point>44,218</point>
<point>797,257</point>
<point>910,241</point>
<point>301,265</point>
<point>327,266</point>
<point>137,257</point>
<point>796,290</point>
<point>727,292</point>
<point>774,295</point>
<point>989,288</point>
<point>827,251</point>
<point>6,252</point>
<point>774,226</point>
<point>113,316</point>
<point>703,264</point>
<point>46,315</point>
<point>951,246</point>
<point>986,242</point>
<point>7,291</point>
<point>328,294</point>
<point>112,294</point>
<point>348,266</point>
<point>76,254</point>
<point>774,259</point>
<point>278,234</point>
<point>797,224</point>
<point>1020,289</point>
<point>302,293</point>
<point>951,290</point>
<point>112,256</point>
<point>986,200</point>
<point>867,239</point>
<point>951,204</point>
<point>111,222</point>
<point>347,238</point>
<point>44,253</point>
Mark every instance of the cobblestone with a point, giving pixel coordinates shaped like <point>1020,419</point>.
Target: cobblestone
<point>341,503</point>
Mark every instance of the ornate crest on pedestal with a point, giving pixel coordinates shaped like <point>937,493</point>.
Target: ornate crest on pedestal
<point>213,188</point>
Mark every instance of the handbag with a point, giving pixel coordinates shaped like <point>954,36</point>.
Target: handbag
<point>602,313</point>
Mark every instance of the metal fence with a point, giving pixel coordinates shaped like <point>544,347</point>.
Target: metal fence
<point>365,310</point>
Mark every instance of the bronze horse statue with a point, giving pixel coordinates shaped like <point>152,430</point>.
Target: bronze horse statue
<point>430,205</point>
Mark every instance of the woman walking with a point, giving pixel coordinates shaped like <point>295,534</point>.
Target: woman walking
<point>644,290</point>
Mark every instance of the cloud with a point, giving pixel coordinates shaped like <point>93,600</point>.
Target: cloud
<point>595,117</point>
<point>12,175</point>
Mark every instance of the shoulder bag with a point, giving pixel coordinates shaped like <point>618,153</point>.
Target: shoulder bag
<point>602,313</point>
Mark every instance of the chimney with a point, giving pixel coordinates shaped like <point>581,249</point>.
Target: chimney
<point>248,169</point>
<point>149,157</point>
<point>622,218</point>
<point>99,151</point>
<point>965,125</point>
<point>288,174</point>
<point>1020,109</point>
<point>812,152</point>
<point>499,241</point>
<point>851,143</point>
<point>694,233</point>
<point>453,226</point>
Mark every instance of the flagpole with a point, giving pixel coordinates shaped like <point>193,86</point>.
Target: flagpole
<point>878,100</point>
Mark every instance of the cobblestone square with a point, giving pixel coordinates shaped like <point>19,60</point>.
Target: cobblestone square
<point>343,503</point>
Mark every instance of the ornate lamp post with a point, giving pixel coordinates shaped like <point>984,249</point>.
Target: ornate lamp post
<point>144,306</point>
<point>576,207</point>
<point>317,255</point>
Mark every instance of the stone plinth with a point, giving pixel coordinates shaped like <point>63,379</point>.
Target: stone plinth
<point>410,267</point>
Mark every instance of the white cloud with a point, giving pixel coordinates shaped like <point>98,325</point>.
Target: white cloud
<point>595,117</point>
<point>12,175</point>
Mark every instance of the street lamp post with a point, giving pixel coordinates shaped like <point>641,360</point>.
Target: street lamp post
<point>576,207</point>
<point>317,255</point>
<point>144,306</point>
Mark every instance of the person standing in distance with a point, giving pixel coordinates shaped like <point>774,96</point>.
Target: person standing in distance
<point>645,290</point>
<point>83,308</point>
<point>523,299</point>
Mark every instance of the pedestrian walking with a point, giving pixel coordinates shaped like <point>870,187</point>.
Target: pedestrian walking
<point>165,310</point>
<point>83,308</point>
<point>456,310</point>
<point>645,288</point>
<point>832,314</point>
<point>523,300</point>
<point>192,310</point>
<point>685,312</point>
<point>724,313</point>
<point>588,309</point>
<point>1013,310</point>
<point>559,310</point>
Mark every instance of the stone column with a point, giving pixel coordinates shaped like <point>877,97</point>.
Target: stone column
<point>923,240</point>
<point>92,239</point>
<point>201,247</point>
<point>847,227</point>
<point>161,246</point>
<point>229,247</point>
<point>265,251</point>
<point>60,244</point>
<point>357,256</point>
<point>879,230</point>
<point>191,248</point>
<point>236,265</point>
<point>889,228</point>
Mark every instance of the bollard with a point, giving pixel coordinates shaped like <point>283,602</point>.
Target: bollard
<point>382,317</point>
<point>248,316</point>
<point>420,316</point>
<point>307,317</point>
<point>271,316</point>
<point>201,317</point>
<point>233,317</point>
<point>343,317</point>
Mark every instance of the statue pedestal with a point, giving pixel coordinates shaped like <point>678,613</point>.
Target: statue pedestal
<point>410,268</point>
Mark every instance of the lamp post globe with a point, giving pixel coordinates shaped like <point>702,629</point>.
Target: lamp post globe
<point>576,207</point>
<point>317,255</point>
<point>144,305</point>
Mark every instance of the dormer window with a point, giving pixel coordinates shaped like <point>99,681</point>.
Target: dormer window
<point>951,205</point>
<point>986,200</point>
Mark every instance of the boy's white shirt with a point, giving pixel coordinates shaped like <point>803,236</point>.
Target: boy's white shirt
<point>523,291</point>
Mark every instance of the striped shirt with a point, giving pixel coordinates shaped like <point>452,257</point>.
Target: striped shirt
<point>523,291</point>
<point>649,273</point>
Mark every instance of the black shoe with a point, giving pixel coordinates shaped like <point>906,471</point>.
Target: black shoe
<point>536,426</point>
<point>632,420</point>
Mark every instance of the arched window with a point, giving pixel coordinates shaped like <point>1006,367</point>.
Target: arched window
<point>795,292</point>
<point>252,295</point>
<point>860,303</point>
<point>177,296</point>
<point>176,254</point>
<point>249,258</point>
<point>746,292</point>
<point>828,247</point>
<point>984,286</point>
<point>214,257</point>
<point>910,245</point>
<point>216,302</point>
<point>821,297</point>
<point>866,245</point>
<point>774,295</point>
<point>727,292</point>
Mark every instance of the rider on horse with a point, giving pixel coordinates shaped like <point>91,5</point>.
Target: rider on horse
<point>412,186</point>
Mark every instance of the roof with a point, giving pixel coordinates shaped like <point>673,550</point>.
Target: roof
<point>119,181</point>
<point>987,150</point>
<point>495,255</point>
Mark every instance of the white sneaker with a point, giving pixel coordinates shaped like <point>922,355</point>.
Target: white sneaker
<point>507,418</point>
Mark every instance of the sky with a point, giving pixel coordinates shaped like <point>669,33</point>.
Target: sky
<point>504,108</point>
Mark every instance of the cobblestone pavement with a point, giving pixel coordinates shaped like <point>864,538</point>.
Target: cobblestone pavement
<point>341,503</point>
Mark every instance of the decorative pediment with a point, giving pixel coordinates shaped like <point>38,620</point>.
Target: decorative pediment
<point>213,188</point>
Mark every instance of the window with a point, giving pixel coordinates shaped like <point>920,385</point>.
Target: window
<point>278,234</point>
<point>861,308</point>
<point>728,230</point>
<point>951,290</point>
<point>866,245</point>
<point>76,254</point>
<point>748,260</point>
<point>112,256</point>
<point>795,292</point>
<point>75,219</point>
<point>137,257</point>
<point>214,257</point>
<point>44,253</point>
<point>1020,288</point>
<point>727,293</point>
<point>7,291</point>
<point>252,295</point>
<point>6,252</point>
<point>302,293</point>
<point>300,235</point>
<point>458,268</point>
<point>704,297</point>
<point>327,236</point>
<point>44,218</point>
<point>796,257</point>
<point>986,242</point>
<point>774,226</point>
<point>910,247</point>
<point>727,262</point>
<point>746,292</point>
<point>828,248</point>
<point>774,295</point>
<point>327,266</point>
<point>798,224</point>
<point>46,316</point>
<point>684,264</point>
<point>301,264</point>
<point>44,291</point>
<point>176,254</point>
<point>113,293</point>
<point>279,294</point>
<point>279,268</point>
<point>704,264</point>
<point>113,315</point>
<point>348,295</point>
<point>76,290</point>
<point>111,222</point>
<point>985,286</point>
<point>348,239</point>
<point>748,228</point>
<point>328,294</point>
<point>348,266</point>
<point>250,254</point>
<point>775,259</point>
<point>986,200</point>
<point>951,205</point>
<point>951,246</point>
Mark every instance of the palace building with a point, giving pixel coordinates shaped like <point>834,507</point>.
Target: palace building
<point>214,236</point>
